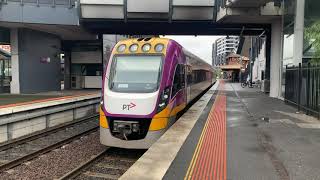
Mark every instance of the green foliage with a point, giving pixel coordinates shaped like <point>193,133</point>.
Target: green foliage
<point>312,34</point>
<point>217,73</point>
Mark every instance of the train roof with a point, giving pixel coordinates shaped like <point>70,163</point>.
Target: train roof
<point>144,40</point>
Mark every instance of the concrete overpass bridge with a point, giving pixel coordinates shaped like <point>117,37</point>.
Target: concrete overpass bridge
<point>198,17</point>
<point>72,19</point>
<point>60,22</point>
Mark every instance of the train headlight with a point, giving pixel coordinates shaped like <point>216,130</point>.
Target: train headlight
<point>164,99</point>
<point>121,48</point>
<point>159,47</point>
<point>133,48</point>
<point>146,47</point>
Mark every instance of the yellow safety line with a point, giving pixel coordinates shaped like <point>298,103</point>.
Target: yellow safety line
<point>195,155</point>
<point>199,145</point>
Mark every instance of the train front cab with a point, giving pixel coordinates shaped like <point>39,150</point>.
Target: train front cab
<point>184,85</point>
<point>158,123</point>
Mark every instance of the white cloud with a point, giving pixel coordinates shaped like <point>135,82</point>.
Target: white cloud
<point>198,45</point>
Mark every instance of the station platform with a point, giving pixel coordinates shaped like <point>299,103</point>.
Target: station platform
<point>235,133</point>
<point>22,115</point>
<point>12,100</point>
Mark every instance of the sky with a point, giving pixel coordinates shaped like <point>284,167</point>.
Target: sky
<point>198,45</point>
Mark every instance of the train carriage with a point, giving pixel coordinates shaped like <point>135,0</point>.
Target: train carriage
<point>147,82</point>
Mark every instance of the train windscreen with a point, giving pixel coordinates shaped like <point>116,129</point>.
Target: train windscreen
<point>135,74</point>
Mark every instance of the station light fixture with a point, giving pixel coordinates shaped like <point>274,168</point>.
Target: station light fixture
<point>133,47</point>
<point>159,47</point>
<point>121,48</point>
<point>146,47</point>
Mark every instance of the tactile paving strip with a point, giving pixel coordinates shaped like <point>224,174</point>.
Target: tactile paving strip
<point>210,160</point>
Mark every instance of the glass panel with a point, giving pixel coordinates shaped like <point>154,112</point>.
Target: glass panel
<point>1,68</point>
<point>312,30</point>
<point>139,74</point>
<point>288,41</point>
<point>176,81</point>
<point>288,31</point>
<point>7,68</point>
<point>289,14</point>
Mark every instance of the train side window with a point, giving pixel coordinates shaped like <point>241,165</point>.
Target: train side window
<point>182,75</point>
<point>179,79</point>
<point>189,76</point>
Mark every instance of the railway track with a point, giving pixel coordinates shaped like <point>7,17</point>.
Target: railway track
<point>24,149</point>
<point>108,164</point>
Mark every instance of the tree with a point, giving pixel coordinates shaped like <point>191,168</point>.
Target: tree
<point>312,35</point>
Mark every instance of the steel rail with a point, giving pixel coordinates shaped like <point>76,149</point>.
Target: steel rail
<point>78,170</point>
<point>31,137</point>
<point>109,154</point>
<point>49,148</point>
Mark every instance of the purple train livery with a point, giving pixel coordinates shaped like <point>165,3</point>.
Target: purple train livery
<point>148,82</point>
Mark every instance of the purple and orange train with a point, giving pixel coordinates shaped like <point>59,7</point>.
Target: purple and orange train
<point>148,81</point>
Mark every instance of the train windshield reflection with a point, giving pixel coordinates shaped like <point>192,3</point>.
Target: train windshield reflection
<point>135,74</point>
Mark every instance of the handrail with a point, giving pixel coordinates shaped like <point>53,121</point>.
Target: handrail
<point>302,87</point>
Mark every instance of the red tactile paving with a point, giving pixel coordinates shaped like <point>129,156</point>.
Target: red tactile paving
<point>44,100</point>
<point>210,157</point>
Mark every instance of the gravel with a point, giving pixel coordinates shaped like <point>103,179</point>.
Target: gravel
<point>58,162</point>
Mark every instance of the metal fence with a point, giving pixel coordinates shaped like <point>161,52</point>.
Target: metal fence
<point>302,87</point>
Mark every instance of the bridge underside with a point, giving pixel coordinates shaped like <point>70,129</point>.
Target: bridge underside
<point>171,28</point>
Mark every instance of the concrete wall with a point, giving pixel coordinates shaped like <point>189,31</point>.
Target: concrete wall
<point>15,82</point>
<point>259,64</point>
<point>298,32</point>
<point>275,67</point>
<point>37,62</point>
<point>44,13</point>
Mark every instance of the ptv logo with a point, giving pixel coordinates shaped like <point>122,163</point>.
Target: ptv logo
<point>128,106</point>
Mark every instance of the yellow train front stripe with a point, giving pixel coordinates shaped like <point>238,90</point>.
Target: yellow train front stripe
<point>103,119</point>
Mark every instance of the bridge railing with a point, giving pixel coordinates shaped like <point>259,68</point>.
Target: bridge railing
<point>302,87</point>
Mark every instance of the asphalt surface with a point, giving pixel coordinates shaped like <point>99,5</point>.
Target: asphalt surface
<point>266,139</point>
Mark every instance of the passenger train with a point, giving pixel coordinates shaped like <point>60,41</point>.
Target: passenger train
<point>147,82</point>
